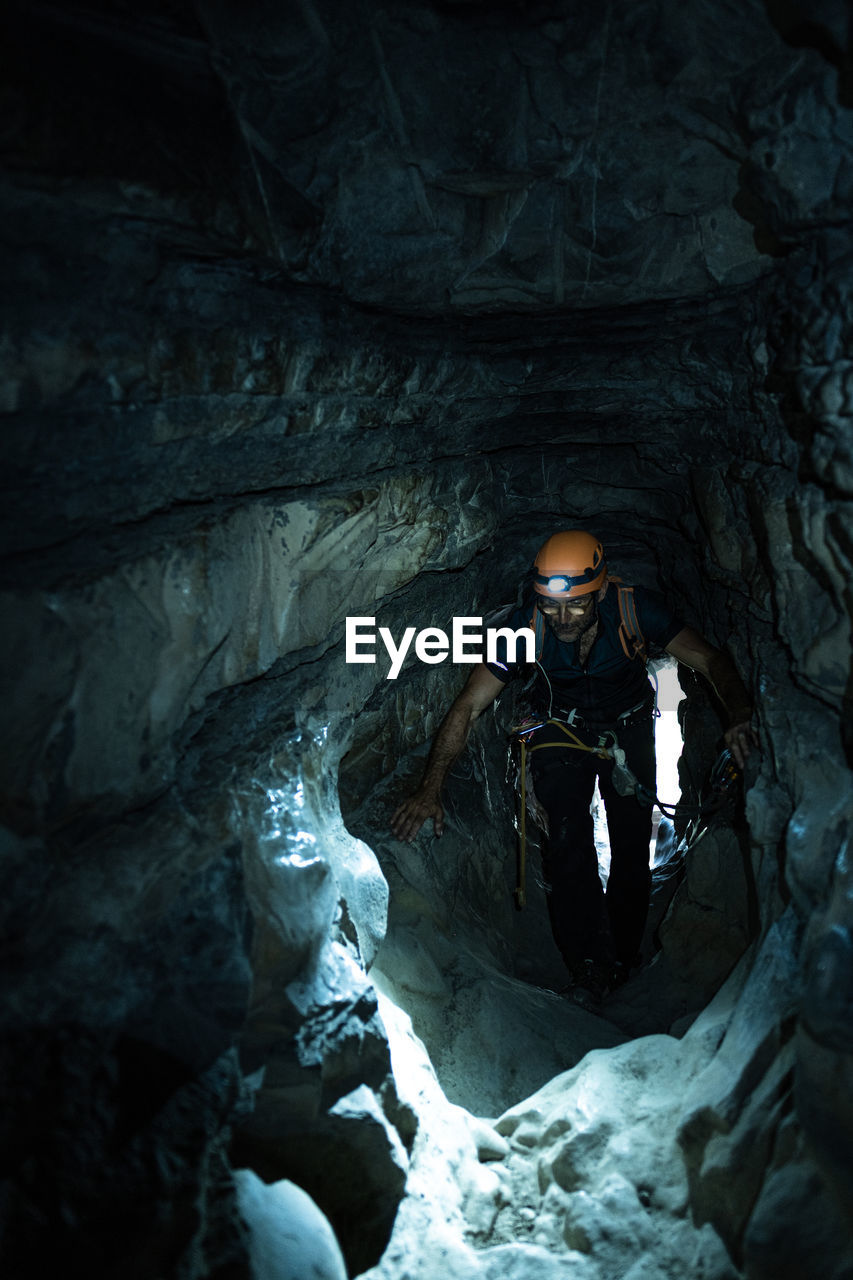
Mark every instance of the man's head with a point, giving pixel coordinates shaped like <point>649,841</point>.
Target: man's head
<point>568,574</point>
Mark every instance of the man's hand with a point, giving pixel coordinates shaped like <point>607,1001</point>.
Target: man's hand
<point>480,690</point>
<point>410,816</point>
<point>740,739</point>
<point>695,652</point>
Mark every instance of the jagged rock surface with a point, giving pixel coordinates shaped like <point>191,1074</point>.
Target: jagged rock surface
<point>342,320</point>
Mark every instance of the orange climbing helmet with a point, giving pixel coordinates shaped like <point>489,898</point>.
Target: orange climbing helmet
<point>570,563</point>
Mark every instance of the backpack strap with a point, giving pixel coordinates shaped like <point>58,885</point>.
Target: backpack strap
<point>632,638</point>
<point>537,626</point>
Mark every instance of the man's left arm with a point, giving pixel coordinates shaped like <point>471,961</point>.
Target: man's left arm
<point>695,652</point>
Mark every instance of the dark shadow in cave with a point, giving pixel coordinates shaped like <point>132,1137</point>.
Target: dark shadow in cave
<point>802,27</point>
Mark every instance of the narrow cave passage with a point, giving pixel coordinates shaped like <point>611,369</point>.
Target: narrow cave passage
<point>319,311</point>
<point>479,978</point>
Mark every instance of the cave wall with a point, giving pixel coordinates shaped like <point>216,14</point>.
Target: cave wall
<point>306,334</point>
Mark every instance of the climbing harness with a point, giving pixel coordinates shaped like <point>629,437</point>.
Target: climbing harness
<point>521,732</point>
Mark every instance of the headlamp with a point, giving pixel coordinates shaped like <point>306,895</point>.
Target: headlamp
<point>558,584</point>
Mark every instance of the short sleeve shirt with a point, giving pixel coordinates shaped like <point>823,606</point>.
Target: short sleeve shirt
<point>609,683</point>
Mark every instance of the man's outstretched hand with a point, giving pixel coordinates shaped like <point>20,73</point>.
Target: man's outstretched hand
<point>740,739</point>
<point>409,817</point>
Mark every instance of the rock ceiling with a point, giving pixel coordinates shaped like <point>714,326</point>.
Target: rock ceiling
<point>456,156</point>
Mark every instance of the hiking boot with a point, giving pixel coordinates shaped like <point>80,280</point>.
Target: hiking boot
<point>590,984</point>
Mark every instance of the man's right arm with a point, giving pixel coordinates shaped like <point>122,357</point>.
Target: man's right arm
<point>691,648</point>
<point>479,692</point>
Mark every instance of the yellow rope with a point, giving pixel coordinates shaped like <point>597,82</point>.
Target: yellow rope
<point>574,745</point>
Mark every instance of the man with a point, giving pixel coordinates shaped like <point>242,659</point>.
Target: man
<point>591,677</point>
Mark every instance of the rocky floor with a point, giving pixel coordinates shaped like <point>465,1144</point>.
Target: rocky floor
<point>666,1155</point>
<point>548,1140</point>
<point>584,1178</point>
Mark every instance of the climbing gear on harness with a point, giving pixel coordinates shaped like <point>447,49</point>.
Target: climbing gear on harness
<point>622,777</point>
<point>569,564</point>
<point>723,777</point>
<point>521,732</point>
<point>725,772</point>
<point>640,711</point>
<point>722,780</point>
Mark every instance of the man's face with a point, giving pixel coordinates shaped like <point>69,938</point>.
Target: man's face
<point>568,619</point>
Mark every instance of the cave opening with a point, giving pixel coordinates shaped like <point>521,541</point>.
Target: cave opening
<point>327,310</point>
<point>669,744</point>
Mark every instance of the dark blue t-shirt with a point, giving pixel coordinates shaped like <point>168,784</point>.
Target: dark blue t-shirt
<point>610,683</point>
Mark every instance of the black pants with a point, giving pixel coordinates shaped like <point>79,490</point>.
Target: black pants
<point>586,922</point>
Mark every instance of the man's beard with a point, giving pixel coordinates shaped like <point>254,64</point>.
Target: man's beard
<point>574,630</point>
